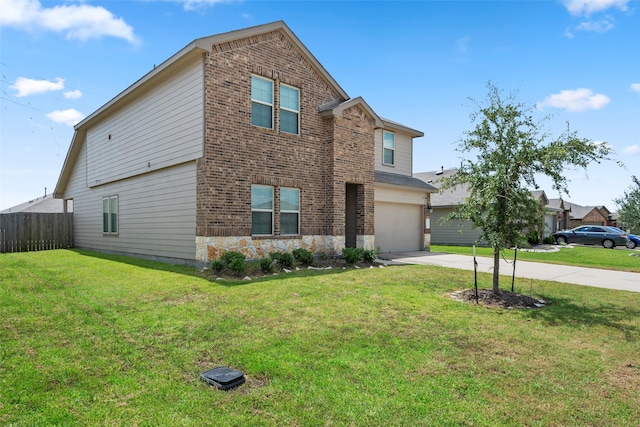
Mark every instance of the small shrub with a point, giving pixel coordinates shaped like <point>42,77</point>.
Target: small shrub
<point>234,261</point>
<point>217,266</point>
<point>352,255</point>
<point>285,259</point>
<point>369,255</point>
<point>238,266</point>
<point>549,240</point>
<point>533,238</point>
<point>266,265</point>
<point>303,256</point>
<point>229,257</point>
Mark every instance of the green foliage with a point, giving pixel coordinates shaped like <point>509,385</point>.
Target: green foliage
<point>629,207</point>
<point>352,255</point>
<point>549,240</point>
<point>303,256</point>
<point>229,257</point>
<point>285,259</point>
<point>238,266</point>
<point>266,265</point>
<point>369,255</point>
<point>217,266</point>
<point>508,151</point>
<point>232,261</point>
<point>533,238</point>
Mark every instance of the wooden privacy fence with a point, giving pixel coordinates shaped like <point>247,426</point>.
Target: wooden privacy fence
<point>30,231</point>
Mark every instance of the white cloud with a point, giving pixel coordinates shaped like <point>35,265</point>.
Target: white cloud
<point>201,4</point>
<point>576,100</point>
<point>587,7</point>
<point>73,94</point>
<point>26,87</point>
<point>79,21</point>
<point>601,26</point>
<point>635,87</point>
<point>632,149</point>
<point>69,117</point>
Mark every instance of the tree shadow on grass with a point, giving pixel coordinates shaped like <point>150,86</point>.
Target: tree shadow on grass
<point>566,312</point>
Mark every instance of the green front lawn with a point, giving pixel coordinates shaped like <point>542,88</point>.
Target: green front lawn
<point>583,256</point>
<point>89,339</point>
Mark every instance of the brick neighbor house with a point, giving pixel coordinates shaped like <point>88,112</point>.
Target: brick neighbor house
<point>242,141</point>
<point>576,215</point>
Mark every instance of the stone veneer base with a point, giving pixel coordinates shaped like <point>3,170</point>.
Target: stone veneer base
<point>212,248</point>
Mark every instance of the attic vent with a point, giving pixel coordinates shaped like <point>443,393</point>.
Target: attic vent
<point>441,171</point>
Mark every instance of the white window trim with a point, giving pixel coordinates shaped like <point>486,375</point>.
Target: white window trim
<point>297,112</point>
<point>290,211</point>
<point>257,101</point>
<point>392,149</point>
<point>265,210</point>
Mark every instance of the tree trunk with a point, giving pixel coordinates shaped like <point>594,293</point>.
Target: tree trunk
<point>496,269</point>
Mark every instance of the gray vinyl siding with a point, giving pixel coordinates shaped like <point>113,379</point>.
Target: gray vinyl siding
<point>403,153</point>
<point>158,129</point>
<point>156,212</point>
<point>448,233</point>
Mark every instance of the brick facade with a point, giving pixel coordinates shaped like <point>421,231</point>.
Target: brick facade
<point>328,153</point>
<point>594,217</point>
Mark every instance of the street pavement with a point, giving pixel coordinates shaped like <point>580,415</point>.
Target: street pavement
<point>620,280</point>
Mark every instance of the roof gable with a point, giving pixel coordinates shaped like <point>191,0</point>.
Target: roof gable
<point>192,51</point>
<point>337,108</point>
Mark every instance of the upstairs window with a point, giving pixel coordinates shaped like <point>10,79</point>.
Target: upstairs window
<point>261,102</point>
<point>388,148</point>
<point>289,211</point>
<point>289,109</point>
<point>110,215</point>
<point>261,210</point>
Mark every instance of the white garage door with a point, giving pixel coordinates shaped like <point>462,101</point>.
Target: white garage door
<point>398,227</point>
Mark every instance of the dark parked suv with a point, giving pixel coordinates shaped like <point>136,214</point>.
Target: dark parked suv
<point>593,235</point>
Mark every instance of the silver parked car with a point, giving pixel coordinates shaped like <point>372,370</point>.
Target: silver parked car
<point>593,235</point>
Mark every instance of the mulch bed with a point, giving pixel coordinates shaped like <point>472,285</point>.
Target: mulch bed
<point>504,299</point>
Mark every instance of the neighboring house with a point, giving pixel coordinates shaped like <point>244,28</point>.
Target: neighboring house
<point>44,204</point>
<point>454,232</point>
<point>575,215</point>
<point>242,141</point>
<point>458,232</point>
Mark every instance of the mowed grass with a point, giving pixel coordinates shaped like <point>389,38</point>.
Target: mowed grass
<point>583,256</point>
<point>89,339</point>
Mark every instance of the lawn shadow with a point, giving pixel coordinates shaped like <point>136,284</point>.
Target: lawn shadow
<point>223,280</point>
<point>566,312</point>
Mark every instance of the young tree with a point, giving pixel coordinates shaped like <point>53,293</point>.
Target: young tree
<point>510,151</point>
<point>629,207</point>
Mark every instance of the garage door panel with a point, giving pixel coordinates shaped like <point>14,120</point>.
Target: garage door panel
<point>398,227</point>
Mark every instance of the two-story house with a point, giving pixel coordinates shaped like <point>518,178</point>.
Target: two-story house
<point>242,141</point>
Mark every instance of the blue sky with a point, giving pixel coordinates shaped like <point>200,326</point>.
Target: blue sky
<point>417,63</point>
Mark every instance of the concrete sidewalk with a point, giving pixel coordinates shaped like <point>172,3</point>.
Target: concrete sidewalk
<point>559,273</point>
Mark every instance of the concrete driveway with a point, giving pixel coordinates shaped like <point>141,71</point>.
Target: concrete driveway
<point>619,280</point>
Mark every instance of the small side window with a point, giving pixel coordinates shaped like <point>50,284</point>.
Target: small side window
<point>110,215</point>
<point>388,148</point>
